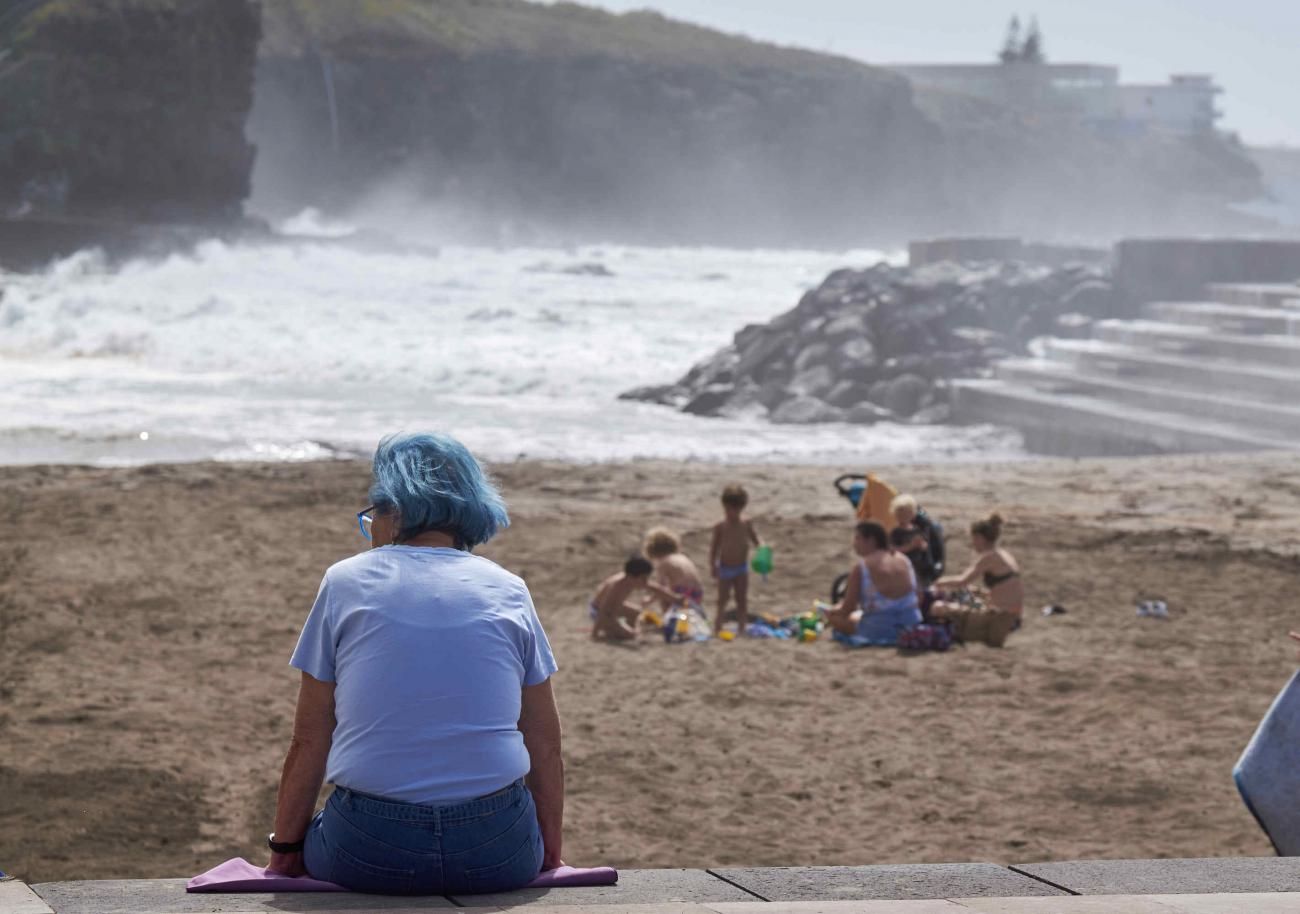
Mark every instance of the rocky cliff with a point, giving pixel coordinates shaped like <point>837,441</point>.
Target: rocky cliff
<point>128,110</point>
<point>564,117</point>
<point>520,121</point>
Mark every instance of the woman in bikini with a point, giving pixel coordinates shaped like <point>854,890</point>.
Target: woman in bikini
<point>994,567</point>
<point>881,599</point>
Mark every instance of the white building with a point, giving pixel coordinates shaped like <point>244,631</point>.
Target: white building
<point>1091,92</point>
<point>1185,104</point>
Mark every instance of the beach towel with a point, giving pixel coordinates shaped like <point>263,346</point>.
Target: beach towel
<point>1268,772</point>
<point>238,875</point>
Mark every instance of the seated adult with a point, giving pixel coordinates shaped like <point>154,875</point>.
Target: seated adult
<point>881,599</point>
<point>994,567</point>
<point>425,699</point>
<point>907,513</point>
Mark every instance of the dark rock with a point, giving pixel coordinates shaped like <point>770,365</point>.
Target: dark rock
<point>664,394</point>
<point>847,394</point>
<point>812,382</point>
<point>867,413</point>
<point>806,410</point>
<point>935,414</point>
<point>816,354</point>
<point>710,401</point>
<point>849,326</point>
<point>903,395</point>
<point>855,360</point>
<point>129,112</point>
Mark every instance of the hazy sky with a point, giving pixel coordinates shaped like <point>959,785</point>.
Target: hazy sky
<point>1252,47</point>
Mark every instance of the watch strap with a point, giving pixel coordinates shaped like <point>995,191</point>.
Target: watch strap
<point>283,847</point>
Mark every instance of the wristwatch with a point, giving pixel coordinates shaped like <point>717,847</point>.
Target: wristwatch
<point>283,847</point>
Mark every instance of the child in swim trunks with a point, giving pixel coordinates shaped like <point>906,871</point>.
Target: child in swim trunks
<point>673,570</point>
<point>729,556</point>
<point>613,617</point>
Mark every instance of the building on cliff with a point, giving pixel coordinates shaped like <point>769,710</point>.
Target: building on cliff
<point>1090,93</point>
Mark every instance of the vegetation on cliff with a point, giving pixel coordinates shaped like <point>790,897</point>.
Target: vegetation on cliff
<point>631,126</point>
<point>127,109</point>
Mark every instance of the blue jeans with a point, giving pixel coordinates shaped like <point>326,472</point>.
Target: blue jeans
<point>369,844</point>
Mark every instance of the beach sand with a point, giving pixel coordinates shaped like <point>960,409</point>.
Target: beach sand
<point>147,616</point>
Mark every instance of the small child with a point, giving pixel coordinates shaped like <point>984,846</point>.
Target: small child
<point>729,556</point>
<point>613,617</point>
<point>912,543</point>
<point>673,569</point>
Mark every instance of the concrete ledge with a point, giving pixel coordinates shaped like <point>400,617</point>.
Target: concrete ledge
<point>168,896</point>
<point>1258,903</point>
<point>635,887</point>
<point>901,881</point>
<point>18,898</point>
<point>1170,877</point>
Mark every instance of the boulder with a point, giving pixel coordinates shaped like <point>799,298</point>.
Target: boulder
<point>848,393</point>
<point>664,394</point>
<point>812,382</point>
<point>854,360</point>
<point>816,354</point>
<point>867,413</point>
<point>849,326</point>
<point>802,410</point>
<point>936,414</point>
<point>902,395</point>
<point>710,401</point>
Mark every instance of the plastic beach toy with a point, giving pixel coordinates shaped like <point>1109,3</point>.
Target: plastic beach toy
<point>762,561</point>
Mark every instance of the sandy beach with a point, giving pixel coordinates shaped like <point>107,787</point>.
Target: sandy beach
<point>147,616</point>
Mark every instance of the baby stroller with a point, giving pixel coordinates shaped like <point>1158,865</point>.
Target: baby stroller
<point>870,497</point>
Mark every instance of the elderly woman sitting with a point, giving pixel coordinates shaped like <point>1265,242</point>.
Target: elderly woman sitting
<point>425,699</point>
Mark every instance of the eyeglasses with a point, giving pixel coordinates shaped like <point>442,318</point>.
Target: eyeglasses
<point>365,517</point>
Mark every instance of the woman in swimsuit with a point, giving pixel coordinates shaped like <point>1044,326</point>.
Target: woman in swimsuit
<point>996,568</point>
<point>881,599</point>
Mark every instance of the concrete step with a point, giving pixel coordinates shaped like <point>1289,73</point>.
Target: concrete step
<point>1254,294</point>
<point>1184,340</point>
<point>1270,420</point>
<point>1075,425</point>
<point>1283,321</point>
<point>1217,377</point>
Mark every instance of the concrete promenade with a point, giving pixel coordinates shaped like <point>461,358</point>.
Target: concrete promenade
<point>1254,885</point>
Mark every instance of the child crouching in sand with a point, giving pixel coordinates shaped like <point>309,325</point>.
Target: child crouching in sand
<point>729,556</point>
<point>673,569</point>
<point>613,618</point>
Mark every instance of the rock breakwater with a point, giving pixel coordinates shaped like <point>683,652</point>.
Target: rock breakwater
<point>883,343</point>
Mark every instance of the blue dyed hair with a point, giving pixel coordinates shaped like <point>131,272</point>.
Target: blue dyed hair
<point>434,483</point>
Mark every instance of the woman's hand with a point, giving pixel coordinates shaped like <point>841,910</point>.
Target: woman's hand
<point>551,863</point>
<point>287,864</point>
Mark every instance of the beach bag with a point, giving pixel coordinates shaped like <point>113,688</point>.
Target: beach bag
<point>1268,772</point>
<point>978,623</point>
<point>925,637</point>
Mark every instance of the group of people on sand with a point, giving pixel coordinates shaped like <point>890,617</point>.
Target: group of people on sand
<point>895,583</point>
<point>665,576</point>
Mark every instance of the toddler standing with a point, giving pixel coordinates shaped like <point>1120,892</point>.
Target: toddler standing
<point>729,556</point>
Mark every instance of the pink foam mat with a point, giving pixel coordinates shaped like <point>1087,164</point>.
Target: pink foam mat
<point>238,875</point>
